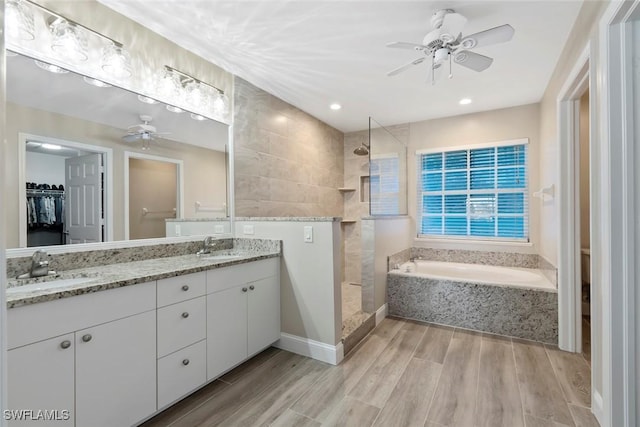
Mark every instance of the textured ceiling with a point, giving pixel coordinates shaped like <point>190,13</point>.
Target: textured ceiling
<point>314,53</point>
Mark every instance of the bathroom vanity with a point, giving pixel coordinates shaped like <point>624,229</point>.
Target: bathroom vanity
<point>133,338</point>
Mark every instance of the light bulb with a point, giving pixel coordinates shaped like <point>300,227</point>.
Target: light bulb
<point>116,61</point>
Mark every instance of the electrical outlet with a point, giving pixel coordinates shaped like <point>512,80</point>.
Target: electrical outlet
<point>218,229</point>
<point>248,229</point>
<point>178,231</point>
<point>308,234</point>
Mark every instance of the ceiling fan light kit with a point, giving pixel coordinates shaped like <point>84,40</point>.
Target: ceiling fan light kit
<point>446,42</point>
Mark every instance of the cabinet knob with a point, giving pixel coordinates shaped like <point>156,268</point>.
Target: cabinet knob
<point>185,314</point>
<point>185,362</point>
<point>185,288</point>
<point>252,287</point>
<point>244,289</point>
<point>86,337</point>
<point>65,344</point>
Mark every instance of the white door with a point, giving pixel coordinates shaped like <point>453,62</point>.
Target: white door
<point>41,377</point>
<point>83,202</point>
<point>116,372</point>
<point>263,314</point>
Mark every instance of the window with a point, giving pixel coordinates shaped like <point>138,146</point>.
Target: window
<point>474,192</point>
<point>384,184</point>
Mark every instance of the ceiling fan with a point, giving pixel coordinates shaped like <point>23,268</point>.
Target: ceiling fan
<point>446,43</point>
<point>144,132</point>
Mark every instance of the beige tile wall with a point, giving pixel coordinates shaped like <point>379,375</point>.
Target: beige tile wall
<point>287,163</point>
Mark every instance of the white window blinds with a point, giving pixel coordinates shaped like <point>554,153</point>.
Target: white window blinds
<point>474,193</point>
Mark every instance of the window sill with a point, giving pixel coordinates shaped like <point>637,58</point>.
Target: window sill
<point>478,245</point>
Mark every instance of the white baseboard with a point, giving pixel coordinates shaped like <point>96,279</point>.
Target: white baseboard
<point>381,313</point>
<point>597,406</point>
<point>317,350</point>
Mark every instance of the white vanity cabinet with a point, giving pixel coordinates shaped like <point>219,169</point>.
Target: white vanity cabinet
<point>92,355</point>
<point>243,313</point>
<point>182,322</point>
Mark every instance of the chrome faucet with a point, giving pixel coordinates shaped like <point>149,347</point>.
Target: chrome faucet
<point>208,245</point>
<point>39,266</point>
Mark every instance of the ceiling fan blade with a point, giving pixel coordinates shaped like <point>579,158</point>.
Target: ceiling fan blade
<point>495,35</point>
<point>452,24</point>
<point>473,60</point>
<point>406,66</point>
<point>405,45</point>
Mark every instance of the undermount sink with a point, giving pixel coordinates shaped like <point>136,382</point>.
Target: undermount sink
<point>214,257</point>
<point>50,284</point>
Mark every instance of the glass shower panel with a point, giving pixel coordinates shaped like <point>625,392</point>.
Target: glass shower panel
<point>387,172</point>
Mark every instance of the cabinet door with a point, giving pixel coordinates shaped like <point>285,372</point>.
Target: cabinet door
<point>226,329</point>
<point>41,377</point>
<point>264,314</point>
<point>116,372</point>
<point>180,325</point>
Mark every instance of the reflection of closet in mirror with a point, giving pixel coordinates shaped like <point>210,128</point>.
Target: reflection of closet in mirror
<point>64,187</point>
<point>154,190</point>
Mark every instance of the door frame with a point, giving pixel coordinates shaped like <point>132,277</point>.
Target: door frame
<point>179,185</point>
<point>22,169</point>
<point>569,245</point>
<point>618,211</point>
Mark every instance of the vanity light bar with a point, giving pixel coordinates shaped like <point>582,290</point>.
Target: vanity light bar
<point>56,15</point>
<point>186,78</point>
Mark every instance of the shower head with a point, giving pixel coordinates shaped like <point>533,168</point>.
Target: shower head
<point>362,150</point>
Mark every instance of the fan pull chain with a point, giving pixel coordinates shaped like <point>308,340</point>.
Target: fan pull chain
<point>433,70</point>
<point>450,69</point>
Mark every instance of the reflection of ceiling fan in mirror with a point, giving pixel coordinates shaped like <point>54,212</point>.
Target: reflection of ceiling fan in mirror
<point>445,43</point>
<point>144,132</point>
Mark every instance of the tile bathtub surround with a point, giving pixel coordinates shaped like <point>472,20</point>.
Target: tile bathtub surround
<point>287,163</point>
<point>398,258</point>
<point>521,313</point>
<point>504,259</point>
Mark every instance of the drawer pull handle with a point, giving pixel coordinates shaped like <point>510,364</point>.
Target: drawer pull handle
<point>65,344</point>
<point>185,288</point>
<point>252,287</point>
<point>185,315</point>
<point>185,362</point>
<point>244,289</point>
<point>86,337</point>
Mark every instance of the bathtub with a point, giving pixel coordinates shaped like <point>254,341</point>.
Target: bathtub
<point>515,302</point>
<point>477,273</point>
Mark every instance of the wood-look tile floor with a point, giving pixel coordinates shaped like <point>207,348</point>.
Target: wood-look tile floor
<point>402,374</point>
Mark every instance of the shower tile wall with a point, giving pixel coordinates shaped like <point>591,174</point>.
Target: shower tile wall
<point>287,163</point>
<point>354,209</point>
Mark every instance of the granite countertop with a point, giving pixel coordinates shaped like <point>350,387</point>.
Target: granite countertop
<point>112,276</point>
<point>220,218</point>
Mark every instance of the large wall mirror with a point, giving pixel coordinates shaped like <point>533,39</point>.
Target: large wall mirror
<point>99,164</point>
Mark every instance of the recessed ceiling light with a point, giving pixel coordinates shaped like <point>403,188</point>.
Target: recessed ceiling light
<point>195,116</point>
<point>51,147</point>
<point>174,109</point>
<point>146,99</point>
<point>95,82</point>
<point>335,106</point>
<point>465,101</point>
<point>51,68</point>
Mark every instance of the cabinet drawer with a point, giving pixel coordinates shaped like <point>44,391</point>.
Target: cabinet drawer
<point>224,278</point>
<point>181,372</point>
<point>180,325</point>
<point>181,288</point>
<point>36,322</point>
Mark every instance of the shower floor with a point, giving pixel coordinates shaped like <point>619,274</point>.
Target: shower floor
<point>351,300</point>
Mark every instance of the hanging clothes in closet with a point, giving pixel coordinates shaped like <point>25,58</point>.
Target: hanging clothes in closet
<point>45,214</point>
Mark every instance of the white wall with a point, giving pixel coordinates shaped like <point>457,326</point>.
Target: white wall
<point>309,274</point>
<point>44,168</point>
<point>478,128</point>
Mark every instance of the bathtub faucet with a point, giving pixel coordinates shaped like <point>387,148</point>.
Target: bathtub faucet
<point>415,258</point>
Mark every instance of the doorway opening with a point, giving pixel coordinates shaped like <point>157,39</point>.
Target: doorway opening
<point>153,194</point>
<point>65,189</point>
